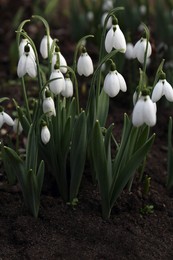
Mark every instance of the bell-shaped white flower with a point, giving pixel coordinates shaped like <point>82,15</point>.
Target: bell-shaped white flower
<point>22,45</point>
<point>57,84</point>
<point>5,118</point>
<point>113,83</point>
<point>115,38</point>
<point>144,112</point>
<point>49,105</point>
<point>140,49</point>
<point>17,127</point>
<point>129,54</point>
<point>85,64</point>
<point>27,64</point>
<point>162,88</point>
<point>44,46</point>
<point>68,91</point>
<point>45,134</point>
<point>62,62</point>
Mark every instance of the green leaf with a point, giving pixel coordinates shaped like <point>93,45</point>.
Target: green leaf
<point>100,165</point>
<point>78,154</point>
<point>103,107</point>
<point>128,170</point>
<point>40,176</point>
<point>32,150</point>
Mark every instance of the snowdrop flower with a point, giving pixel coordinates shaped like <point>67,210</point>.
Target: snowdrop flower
<point>115,38</point>
<point>68,91</point>
<point>129,54</point>
<point>109,23</point>
<point>49,105</point>
<point>62,62</point>
<point>5,118</point>
<point>45,134</point>
<point>85,64</point>
<point>22,45</point>
<point>113,83</point>
<point>44,46</point>
<point>140,48</point>
<point>17,127</point>
<point>144,112</point>
<point>27,64</point>
<point>162,88</point>
<point>58,84</point>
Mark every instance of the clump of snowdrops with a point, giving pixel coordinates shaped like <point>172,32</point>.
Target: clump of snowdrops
<point>63,136</point>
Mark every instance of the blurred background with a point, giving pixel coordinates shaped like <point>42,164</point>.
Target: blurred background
<point>70,20</point>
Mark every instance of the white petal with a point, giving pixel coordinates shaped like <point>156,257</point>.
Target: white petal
<point>137,116</point>
<point>44,45</point>
<point>31,67</point>
<point>157,91</point>
<point>168,91</point>
<point>57,85</point>
<point>149,112</point>
<point>140,48</point>
<point>22,45</point>
<point>129,51</point>
<point>1,119</point>
<point>45,134</point>
<point>17,127</point>
<point>111,84</point>
<point>54,59</point>
<point>68,92</point>
<point>62,63</point>
<point>49,106</point>
<point>122,82</point>
<point>21,68</point>
<point>119,41</point>
<point>7,119</point>
<point>85,65</point>
<point>109,40</point>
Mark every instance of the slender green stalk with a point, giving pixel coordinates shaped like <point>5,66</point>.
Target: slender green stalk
<point>26,100</point>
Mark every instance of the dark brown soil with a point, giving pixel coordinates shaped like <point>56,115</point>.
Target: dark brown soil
<point>63,232</point>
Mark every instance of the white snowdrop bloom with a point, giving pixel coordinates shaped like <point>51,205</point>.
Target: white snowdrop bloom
<point>58,84</point>
<point>45,134</point>
<point>144,112</point>
<point>62,61</point>
<point>17,127</point>
<point>115,39</point>
<point>90,16</point>
<point>140,48</point>
<point>44,46</point>
<point>5,118</point>
<point>107,5</point>
<point>113,83</point>
<point>68,91</point>
<point>129,54</point>
<point>162,88</point>
<point>27,64</point>
<point>49,106</point>
<point>22,45</point>
<point>109,23</point>
<point>85,65</point>
<point>142,9</point>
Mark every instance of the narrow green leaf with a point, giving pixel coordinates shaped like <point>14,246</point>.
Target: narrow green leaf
<point>40,176</point>
<point>103,107</point>
<point>78,154</point>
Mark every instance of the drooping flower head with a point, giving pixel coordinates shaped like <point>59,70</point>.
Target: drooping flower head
<point>115,38</point>
<point>140,49</point>
<point>58,57</point>
<point>5,118</point>
<point>27,64</point>
<point>48,104</point>
<point>85,64</point>
<point>22,45</point>
<point>114,82</point>
<point>57,83</point>
<point>68,91</point>
<point>45,133</point>
<point>144,111</point>
<point>44,46</point>
<point>162,88</point>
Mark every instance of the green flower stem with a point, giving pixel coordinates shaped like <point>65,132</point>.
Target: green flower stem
<point>26,100</point>
<point>147,33</point>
